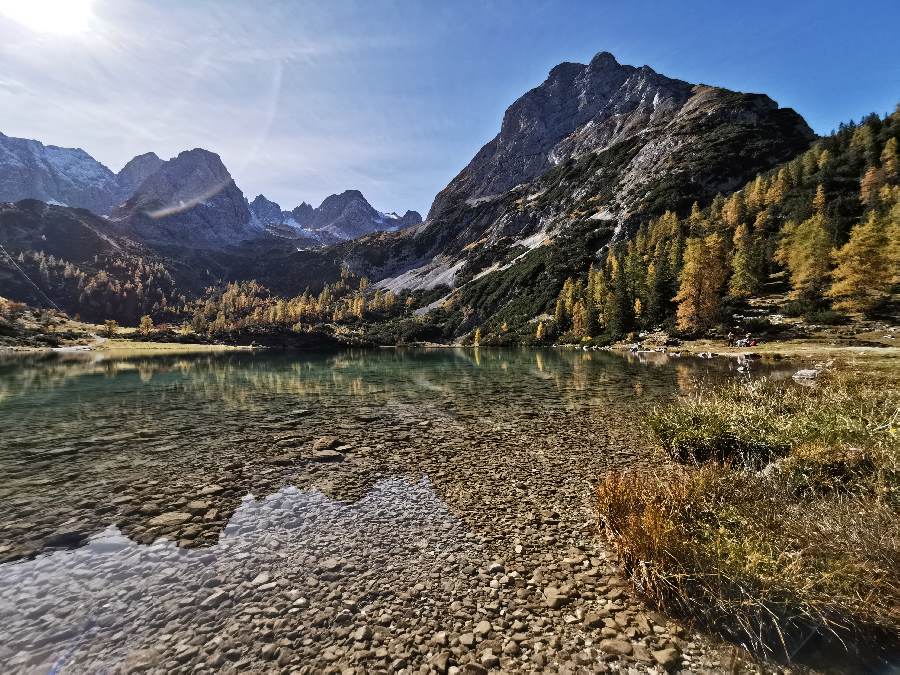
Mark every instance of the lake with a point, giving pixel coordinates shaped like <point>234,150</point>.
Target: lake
<point>377,509</point>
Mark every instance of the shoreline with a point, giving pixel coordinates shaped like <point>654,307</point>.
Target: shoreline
<point>805,349</point>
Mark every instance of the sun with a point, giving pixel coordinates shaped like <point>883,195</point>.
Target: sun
<point>58,17</point>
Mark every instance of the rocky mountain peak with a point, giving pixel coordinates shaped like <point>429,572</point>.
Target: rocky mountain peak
<point>135,172</point>
<point>266,211</point>
<point>578,109</point>
<point>70,176</point>
<point>604,60</point>
<point>189,199</point>
<point>334,206</point>
<point>304,214</point>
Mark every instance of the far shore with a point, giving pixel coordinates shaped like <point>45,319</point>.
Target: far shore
<point>793,349</point>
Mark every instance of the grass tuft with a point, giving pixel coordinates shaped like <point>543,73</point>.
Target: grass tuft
<point>784,523</point>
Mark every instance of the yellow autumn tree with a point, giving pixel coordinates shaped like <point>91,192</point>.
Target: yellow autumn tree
<point>146,325</point>
<point>580,319</point>
<point>889,160</point>
<point>862,275</point>
<point>869,186</point>
<point>703,279</point>
<point>744,281</point>
<point>805,250</point>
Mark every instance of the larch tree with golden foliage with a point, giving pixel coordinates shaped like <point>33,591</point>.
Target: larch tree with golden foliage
<point>805,250</point>
<point>744,280</point>
<point>703,280</point>
<point>862,275</point>
<point>146,325</point>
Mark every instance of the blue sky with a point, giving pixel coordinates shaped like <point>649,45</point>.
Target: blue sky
<point>303,99</point>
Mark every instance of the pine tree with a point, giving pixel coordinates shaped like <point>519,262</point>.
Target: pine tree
<point>862,276</point>
<point>617,312</point>
<point>660,288</point>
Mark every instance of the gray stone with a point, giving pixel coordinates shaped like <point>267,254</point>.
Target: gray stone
<point>554,598</point>
<point>616,646</point>
<point>666,658</point>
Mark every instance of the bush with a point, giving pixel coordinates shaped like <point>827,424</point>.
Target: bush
<point>758,325</point>
<point>827,317</point>
<point>810,545</point>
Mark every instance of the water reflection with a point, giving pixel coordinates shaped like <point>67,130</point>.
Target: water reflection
<point>98,604</point>
<point>127,539</point>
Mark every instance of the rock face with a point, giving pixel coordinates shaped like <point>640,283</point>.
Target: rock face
<point>304,214</point>
<point>134,173</point>
<point>266,211</point>
<point>581,109</point>
<point>189,200</point>
<point>339,218</point>
<point>595,148</point>
<point>68,176</point>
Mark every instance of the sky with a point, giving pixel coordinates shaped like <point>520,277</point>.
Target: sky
<point>305,99</point>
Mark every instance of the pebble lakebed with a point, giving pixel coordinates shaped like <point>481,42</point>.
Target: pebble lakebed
<point>357,512</point>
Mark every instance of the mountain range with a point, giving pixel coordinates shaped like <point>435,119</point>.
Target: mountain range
<point>579,161</point>
<point>189,200</point>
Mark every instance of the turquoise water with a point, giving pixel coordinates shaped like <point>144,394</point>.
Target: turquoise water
<point>218,460</point>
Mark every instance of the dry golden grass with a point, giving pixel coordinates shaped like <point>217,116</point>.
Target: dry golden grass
<point>808,546</point>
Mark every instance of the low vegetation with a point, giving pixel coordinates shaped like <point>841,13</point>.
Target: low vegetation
<point>780,522</point>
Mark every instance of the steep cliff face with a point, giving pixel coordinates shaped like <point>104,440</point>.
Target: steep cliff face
<point>135,172</point>
<point>577,109</point>
<point>601,147</point>
<point>189,200</point>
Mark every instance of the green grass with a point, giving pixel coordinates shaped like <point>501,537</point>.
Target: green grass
<point>782,521</point>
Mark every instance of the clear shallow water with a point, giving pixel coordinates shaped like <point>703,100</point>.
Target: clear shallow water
<point>449,459</point>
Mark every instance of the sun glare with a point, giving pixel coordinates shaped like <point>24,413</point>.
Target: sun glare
<point>59,17</point>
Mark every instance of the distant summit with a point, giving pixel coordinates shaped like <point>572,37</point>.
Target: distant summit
<point>188,200</point>
<point>589,108</point>
<point>340,217</point>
